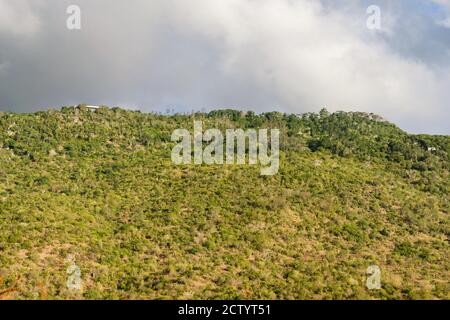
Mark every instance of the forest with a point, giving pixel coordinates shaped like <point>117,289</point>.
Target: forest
<point>98,189</point>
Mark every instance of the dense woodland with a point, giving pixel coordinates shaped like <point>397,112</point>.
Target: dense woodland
<point>353,190</point>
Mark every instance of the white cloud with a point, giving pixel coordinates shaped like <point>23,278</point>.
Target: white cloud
<point>446,5</point>
<point>17,17</point>
<point>296,56</point>
<point>310,58</point>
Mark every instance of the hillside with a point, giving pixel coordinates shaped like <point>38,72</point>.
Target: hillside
<point>353,190</point>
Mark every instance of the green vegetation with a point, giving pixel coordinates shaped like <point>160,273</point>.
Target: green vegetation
<point>352,191</point>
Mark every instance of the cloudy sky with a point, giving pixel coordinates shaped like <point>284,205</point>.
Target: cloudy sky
<point>288,55</point>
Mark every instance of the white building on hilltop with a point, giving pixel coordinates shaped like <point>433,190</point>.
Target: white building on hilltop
<point>92,108</point>
<point>88,106</point>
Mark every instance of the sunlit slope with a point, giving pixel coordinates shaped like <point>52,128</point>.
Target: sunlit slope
<point>352,191</point>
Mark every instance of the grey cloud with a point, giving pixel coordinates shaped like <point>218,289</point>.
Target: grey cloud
<point>292,56</point>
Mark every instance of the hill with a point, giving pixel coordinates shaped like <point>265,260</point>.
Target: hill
<point>98,189</point>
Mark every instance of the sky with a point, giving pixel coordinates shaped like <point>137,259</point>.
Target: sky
<point>292,56</point>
